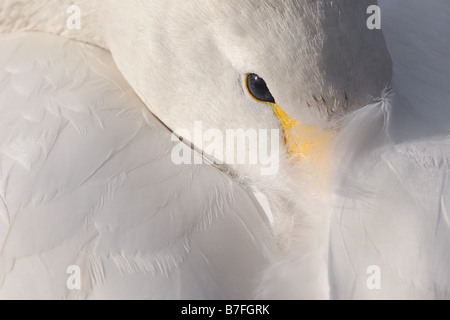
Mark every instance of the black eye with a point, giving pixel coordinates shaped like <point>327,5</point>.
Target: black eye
<point>258,89</point>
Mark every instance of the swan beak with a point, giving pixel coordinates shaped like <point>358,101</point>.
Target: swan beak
<point>304,142</point>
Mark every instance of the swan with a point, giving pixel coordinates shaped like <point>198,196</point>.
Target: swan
<point>88,182</point>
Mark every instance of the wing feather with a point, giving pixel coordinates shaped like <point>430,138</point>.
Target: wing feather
<point>86,179</point>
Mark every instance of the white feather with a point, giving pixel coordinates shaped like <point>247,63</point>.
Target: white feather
<point>92,184</point>
<point>393,186</point>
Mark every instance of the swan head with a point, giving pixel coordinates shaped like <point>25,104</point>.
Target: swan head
<point>294,65</point>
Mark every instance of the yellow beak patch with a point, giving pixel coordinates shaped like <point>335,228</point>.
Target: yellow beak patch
<point>302,141</point>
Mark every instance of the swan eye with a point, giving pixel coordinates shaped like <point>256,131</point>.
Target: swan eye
<point>257,88</point>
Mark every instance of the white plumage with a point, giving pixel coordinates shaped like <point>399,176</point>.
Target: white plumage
<point>86,176</point>
<point>392,197</point>
<point>87,180</point>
